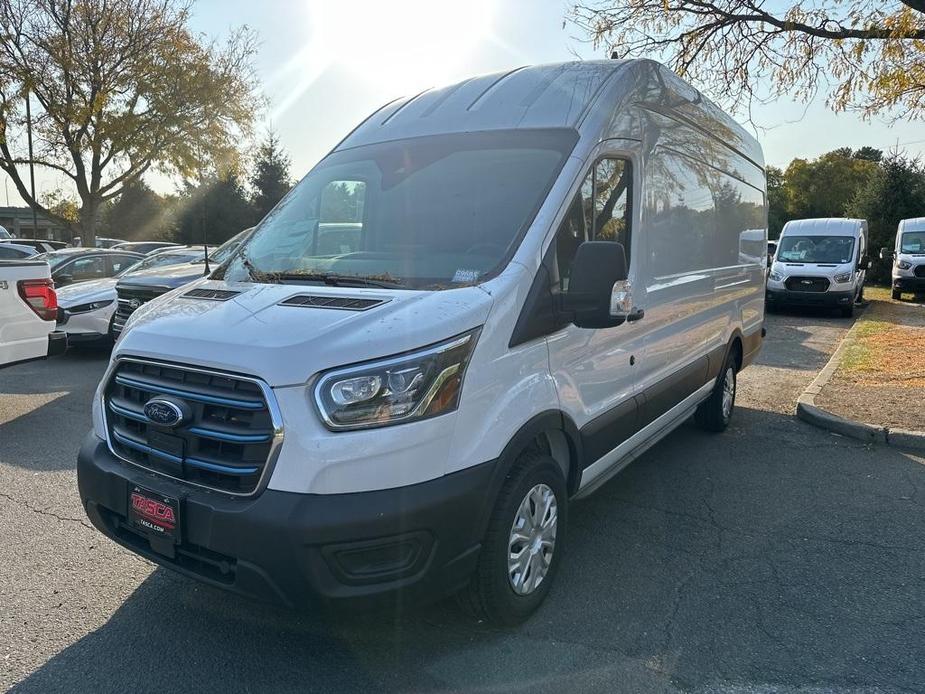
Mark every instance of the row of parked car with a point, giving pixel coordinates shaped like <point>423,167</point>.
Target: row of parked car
<point>71,295</point>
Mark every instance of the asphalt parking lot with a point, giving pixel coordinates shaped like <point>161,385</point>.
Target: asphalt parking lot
<point>773,557</point>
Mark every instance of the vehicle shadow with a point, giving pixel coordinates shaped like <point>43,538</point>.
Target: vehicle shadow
<point>774,555</point>
<point>43,403</point>
<point>803,338</point>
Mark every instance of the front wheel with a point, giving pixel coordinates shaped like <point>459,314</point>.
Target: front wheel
<point>714,413</point>
<point>523,545</point>
<point>847,311</point>
<point>897,295</point>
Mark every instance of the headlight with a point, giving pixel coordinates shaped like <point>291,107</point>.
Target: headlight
<point>903,264</point>
<point>93,306</point>
<point>843,277</point>
<point>776,276</point>
<point>400,389</point>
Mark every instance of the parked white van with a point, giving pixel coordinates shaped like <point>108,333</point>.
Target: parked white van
<point>819,262</point>
<point>908,256</point>
<point>545,279</point>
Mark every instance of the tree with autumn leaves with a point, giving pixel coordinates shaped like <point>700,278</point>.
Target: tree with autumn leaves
<point>118,88</point>
<point>863,55</point>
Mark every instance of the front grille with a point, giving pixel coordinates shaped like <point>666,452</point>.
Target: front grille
<point>225,442</point>
<point>919,271</point>
<point>807,284</point>
<point>130,300</point>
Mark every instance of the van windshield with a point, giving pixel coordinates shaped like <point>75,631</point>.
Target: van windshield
<point>815,249</point>
<point>912,242</point>
<point>429,212</point>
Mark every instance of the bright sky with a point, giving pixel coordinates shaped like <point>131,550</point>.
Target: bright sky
<point>326,64</point>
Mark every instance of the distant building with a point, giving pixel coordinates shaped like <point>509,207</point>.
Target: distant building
<point>18,221</point>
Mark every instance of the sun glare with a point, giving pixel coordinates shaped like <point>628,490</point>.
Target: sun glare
<point>401,46</point>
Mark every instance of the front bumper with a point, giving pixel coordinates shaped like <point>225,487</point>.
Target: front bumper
<point>413,544</point>
<point>909,284</point>
<point>785,297</point>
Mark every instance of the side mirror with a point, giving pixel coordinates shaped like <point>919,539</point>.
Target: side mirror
<point>599,295</point>
<point>63,279</point>
<point>886,253</point>
<point>863,263</point>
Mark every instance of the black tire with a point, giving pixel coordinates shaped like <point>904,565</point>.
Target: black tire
<point>847,311</point>
<point>897,295</point>
<point>712,414</point>
<point>490,594</point>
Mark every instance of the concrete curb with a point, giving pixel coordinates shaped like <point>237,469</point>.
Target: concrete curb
<point>868,433</point>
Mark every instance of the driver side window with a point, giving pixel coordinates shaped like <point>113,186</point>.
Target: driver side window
<point>600,211</point>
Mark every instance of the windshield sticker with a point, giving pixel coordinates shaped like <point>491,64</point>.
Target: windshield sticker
<point>464,275</point>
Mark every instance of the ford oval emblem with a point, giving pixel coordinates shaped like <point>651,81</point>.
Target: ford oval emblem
<point>166,413</point>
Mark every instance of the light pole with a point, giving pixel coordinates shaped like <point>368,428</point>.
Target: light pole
<point>35,221</point>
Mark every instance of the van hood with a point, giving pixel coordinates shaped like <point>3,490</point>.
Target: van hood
<point>811,269</point>
<point>251,333</point>
<point>170,276</point>
<point>87,292</point>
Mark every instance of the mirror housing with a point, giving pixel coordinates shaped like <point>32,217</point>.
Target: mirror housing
<point>592,299</point>
<point>886,253</point>
<point>63,279</point>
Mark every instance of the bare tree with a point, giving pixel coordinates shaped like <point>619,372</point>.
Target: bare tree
<point>867,55</point>
<point>118,87</point>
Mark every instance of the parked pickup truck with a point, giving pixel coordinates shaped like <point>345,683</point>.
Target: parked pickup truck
<point>28,308</point>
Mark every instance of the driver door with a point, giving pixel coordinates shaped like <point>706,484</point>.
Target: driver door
<point>595,369</point>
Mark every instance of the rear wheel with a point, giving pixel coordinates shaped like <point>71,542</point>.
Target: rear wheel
<point>714,413</point>
<point>523,545</point>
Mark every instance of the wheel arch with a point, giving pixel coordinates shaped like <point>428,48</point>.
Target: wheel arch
<point>553,433</point>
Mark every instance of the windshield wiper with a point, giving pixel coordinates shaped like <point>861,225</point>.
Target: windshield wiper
<point>336,280</point>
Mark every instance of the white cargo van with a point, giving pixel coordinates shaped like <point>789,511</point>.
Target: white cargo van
<point>908,256</point>
<point>543,275</point>
<point>819,262</point>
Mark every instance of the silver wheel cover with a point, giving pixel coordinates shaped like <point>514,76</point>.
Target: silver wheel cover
<point>532,540</point>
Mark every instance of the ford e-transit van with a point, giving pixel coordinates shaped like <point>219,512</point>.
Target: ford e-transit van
<point>908,256</point>
<point>819,262</point>
<point>480,306</point>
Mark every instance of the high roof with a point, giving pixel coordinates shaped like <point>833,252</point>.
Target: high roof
<point>558,95</point>
<point>823,226</point>
<point>912,224</point>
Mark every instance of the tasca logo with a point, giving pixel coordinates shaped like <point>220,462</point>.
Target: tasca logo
<point>153,510</point>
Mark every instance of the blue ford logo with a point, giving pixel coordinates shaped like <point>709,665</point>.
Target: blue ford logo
<point>166,412</point>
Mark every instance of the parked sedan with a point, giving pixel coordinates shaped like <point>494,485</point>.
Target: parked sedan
<point>14,251</point>
<point>144,246</point>
<point>71,265</point>
<point>40,245</point>
<point>85,308</point>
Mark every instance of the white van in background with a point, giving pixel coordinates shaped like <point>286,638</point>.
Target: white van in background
<point>819,262</point>
<point>908,256</point>
<point>542,273</point>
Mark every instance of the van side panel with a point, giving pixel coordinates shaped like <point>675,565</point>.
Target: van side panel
<point>703,280</point>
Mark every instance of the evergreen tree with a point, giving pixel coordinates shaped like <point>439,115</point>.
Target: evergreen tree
<point>270,178</point>
<point>214,210</point>
<point>139,214</point>
<point>895,191</point>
